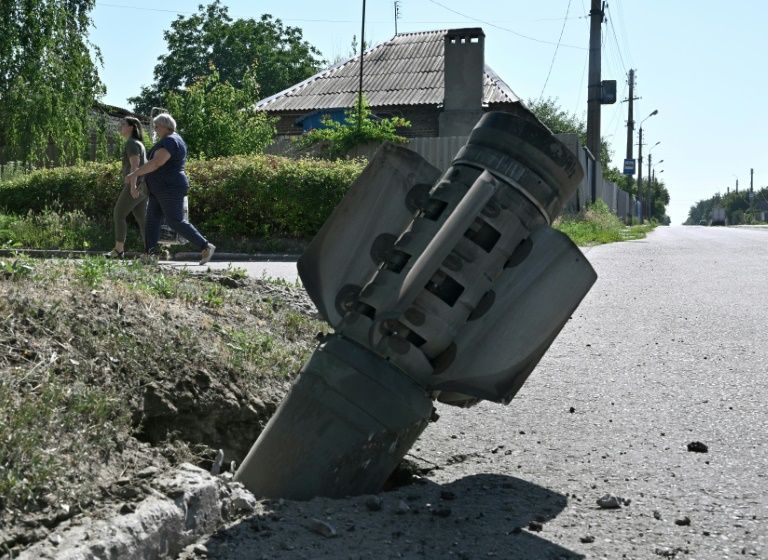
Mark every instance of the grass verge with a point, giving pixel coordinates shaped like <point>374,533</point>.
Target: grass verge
<point>74,231</point>
<point>597,225</point>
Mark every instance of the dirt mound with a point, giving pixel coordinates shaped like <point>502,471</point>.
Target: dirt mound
<point>108,368</point>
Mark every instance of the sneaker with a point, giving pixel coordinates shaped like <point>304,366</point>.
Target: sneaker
<point>114,254</point>
<point>207,253</point>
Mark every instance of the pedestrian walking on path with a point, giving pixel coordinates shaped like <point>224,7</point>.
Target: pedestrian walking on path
<point>167,185</point>
<point>133,196</point>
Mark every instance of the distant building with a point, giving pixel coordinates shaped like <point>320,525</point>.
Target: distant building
<point>438,80</point>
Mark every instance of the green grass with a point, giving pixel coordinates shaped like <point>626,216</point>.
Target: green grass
<point>74,231</point>
<point>53,229</point>
<point>53,419</point>
<point>597,225</point>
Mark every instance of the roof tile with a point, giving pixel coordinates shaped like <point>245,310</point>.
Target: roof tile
<point>406,70</point>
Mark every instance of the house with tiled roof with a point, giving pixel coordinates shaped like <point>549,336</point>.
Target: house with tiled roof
<point>438,80</point>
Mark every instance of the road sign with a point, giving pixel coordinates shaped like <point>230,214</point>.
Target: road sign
<point>629,167</point>
<point>608,92</point>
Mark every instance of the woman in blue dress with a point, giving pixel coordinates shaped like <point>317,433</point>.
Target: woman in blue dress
<point>167,185</point>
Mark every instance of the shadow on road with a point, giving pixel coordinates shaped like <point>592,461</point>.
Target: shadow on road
<point>479,516</point>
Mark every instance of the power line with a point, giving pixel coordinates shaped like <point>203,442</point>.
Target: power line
<point>142,9</point>
<point>615,39</point>
<point>581,83</point>
<point>505,28</point>
<point>180,12</point>
<point>624,34</point>
<point>554,55</point>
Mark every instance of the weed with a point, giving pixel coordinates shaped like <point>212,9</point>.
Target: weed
<point>214,296</point>
<point>92,271</point>
<point>17,267</point>
<point>163,285</point>
<point>237,272</point>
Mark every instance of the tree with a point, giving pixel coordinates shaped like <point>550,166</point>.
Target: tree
<point>48,80</point>
<point>233,47</point>
<point>660,200</point>
<point>217,119</point>
<point>627,183</point>
<point>559,121</point>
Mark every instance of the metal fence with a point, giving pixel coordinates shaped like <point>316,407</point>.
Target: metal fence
<point>439,151</point>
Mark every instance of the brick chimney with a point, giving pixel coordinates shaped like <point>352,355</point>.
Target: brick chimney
<point>463,81</point>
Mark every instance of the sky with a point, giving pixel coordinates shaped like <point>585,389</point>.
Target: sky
<point>700,63</point>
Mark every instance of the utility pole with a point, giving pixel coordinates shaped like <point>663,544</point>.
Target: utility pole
<point>751,180</point>
<point>630,115</point>
<point>640,173</point>
<point>737,186</point>
<point>596,15</point>
<point>397,13</point>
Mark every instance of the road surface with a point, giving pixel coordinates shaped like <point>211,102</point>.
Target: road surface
<point>667,349</point>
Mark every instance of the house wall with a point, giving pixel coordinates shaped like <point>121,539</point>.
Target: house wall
<point>424,118</point>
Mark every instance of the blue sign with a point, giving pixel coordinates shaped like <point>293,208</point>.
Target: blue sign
<point>629,167</point>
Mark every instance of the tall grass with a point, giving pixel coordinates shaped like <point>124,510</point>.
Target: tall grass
<point>55,229</point>
<point>597,224</point>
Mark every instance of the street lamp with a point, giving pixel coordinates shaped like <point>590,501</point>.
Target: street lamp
<point>654,112</point>
<point>640,158</point>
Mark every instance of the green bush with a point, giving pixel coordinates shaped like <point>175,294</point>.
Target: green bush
<point>336,139</point>
<point>253,196</point>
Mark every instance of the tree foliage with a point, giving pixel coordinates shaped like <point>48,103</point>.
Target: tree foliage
<point>211,37</point>
<point>743,207</point>
<point>217,119</point>
<point>559,121</point>
<point>659,201</point>
<point>48,80</point>
<point>359,127</point>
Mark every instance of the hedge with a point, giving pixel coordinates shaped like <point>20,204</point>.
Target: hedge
<point>241,196</point>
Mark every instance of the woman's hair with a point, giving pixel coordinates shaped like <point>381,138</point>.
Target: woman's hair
<point>137,132</point>
<point>166,120</point>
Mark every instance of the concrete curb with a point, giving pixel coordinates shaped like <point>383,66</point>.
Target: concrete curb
<point>184,505</point>
<point>184,256</point>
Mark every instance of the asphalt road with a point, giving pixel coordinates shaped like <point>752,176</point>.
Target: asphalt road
<point>667,349</point>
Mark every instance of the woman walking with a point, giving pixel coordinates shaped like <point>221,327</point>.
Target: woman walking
<point>133,196</point>
<point>168,185</point>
